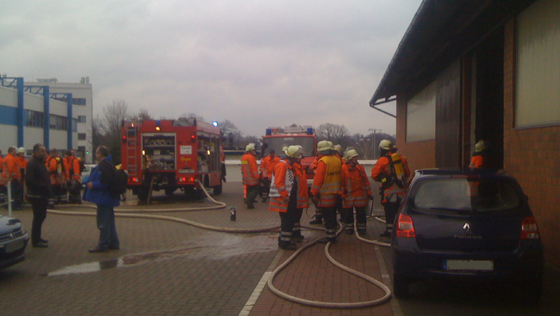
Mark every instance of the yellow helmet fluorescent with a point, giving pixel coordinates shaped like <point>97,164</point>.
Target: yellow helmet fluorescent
<point>250,147</point>
<point>294,152</point>
<point>338,148</point>
<point>386,144</point>
<point>324,145</point>
<point>351,154</point>
<point>480,146</point>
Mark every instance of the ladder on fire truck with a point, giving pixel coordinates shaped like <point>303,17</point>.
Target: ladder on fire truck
<point>131,152</point>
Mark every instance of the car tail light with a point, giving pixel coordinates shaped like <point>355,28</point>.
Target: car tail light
<point>405,227</point>
<point>529,228</point>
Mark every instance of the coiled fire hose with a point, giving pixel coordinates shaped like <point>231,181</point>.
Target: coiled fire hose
<point>133,213</point>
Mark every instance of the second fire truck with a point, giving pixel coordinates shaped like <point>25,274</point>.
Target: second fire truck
<point>277,138</point>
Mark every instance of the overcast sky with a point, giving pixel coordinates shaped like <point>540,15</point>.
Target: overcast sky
<point>255,63</point>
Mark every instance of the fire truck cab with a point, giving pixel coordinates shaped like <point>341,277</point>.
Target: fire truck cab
<point>170,155</point>
<point>277,138</point>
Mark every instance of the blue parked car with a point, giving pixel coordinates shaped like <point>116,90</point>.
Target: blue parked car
<point>466,225</point>
<point>13,240</point>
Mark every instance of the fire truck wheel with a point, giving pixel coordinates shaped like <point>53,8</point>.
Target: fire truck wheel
<point>218,189</point>
<point>143,195</point>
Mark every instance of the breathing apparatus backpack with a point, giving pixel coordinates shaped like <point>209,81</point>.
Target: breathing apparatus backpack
<point>397,169</point>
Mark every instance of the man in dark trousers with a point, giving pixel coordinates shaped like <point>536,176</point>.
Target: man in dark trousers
<point>39,189</point>
<point>98,191</point>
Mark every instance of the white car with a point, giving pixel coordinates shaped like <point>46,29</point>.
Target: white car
<point>87,171</point>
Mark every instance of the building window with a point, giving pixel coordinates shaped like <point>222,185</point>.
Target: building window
<point>81,118</point>
<point>537,99</point>
<point>34,118</point>
<point>78,101</point>
<point>81,136</point>
<point>74,125</point>
<point>58,122</point>
<point>421,115</point>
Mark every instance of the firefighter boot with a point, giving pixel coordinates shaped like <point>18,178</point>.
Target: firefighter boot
<point>284,241</point>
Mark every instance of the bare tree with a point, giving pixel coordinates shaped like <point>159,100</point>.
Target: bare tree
<point>191,114</point>
<point>233,136</point>
<point>144,115</point>
<point>332,132</point>
<point>114,114</point>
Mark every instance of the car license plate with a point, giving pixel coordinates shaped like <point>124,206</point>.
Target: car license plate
<point>17,245</point>
<point>468,265</point>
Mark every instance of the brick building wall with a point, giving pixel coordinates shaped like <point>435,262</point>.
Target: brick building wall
<point>420,154</point>
<point>532,156</point>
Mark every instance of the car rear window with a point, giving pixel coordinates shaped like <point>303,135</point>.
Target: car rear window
<point>466,195</point>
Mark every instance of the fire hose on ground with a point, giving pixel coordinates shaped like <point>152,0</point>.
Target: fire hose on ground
<point>134,213</point>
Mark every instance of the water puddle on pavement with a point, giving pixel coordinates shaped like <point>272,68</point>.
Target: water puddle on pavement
<point>205,247</point>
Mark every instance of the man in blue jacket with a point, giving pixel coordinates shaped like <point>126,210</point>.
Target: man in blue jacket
<point>98,191</point>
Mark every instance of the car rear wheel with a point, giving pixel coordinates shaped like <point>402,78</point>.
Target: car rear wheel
<point>400,286</point>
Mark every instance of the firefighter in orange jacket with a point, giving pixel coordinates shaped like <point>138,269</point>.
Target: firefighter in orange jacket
<point>479,157</point>
<point>318,213</point>
<point>326,186</point>
<point>3,179</point>
<point>267,170</point>
<point>14,175</point>
<point>393,185</point>
<point>288,196</point>
<point>22,162</point>
<point>74,177</point>
<point>56,171</point>
<point>355,192</point>
<point>251,176</point>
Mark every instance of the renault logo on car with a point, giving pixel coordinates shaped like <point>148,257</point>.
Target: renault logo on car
<point>467,227</point>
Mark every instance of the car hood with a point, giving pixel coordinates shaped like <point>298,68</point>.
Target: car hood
<point>9,225</point>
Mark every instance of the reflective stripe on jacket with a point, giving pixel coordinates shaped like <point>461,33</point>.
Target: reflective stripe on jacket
<point>327,180</point>
<point>249,169</point>
<point>281,186</point>
<point>354,186</point>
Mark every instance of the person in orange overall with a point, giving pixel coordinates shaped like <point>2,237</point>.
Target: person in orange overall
<point>3,179</point>
<point>392,188</point>
<point>355,192</point>
<point>480,156</point>
<point>14,175</point>
<point>326,186</point>
<point>339,153</point>
<point>288,196</point>
<point>22,162</point>
<point>318,213</point>
<point>251,176</point>
<point>74,177</point>
<point>55,168</point>
<point>267,170</point>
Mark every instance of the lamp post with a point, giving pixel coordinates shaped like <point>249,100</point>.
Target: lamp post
<point>373,130</point>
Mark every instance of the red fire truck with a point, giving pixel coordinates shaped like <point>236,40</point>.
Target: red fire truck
<point>171,155</point>
<point>276,138</point>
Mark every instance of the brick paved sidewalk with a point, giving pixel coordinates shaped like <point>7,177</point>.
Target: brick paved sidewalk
<point>311,276</point>
<point>167,268</point>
